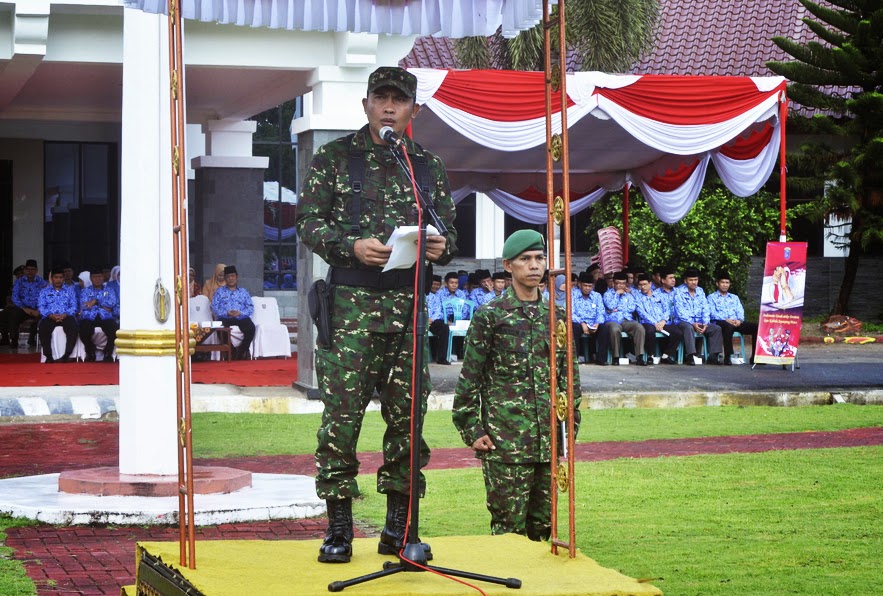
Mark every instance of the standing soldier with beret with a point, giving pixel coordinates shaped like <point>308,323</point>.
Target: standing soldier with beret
<point>502,406</point>
<point>354,196</point>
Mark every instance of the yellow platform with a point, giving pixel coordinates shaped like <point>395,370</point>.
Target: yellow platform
<point>271,567</point>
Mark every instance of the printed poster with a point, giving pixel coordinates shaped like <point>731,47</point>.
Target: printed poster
<point>781,303</point>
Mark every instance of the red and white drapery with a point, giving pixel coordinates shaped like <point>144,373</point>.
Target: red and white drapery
<point>657,132</point>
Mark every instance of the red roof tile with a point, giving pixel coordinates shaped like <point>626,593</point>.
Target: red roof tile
<point>706,37</point>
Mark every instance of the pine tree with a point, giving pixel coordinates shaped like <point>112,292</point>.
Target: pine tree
<point>840,77</point>
<point>607,35</point>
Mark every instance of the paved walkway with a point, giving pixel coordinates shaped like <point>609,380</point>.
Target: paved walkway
<point>98,560</point>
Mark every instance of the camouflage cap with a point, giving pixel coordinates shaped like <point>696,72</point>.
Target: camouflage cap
<point>393,76</point>
<point>521,241</point>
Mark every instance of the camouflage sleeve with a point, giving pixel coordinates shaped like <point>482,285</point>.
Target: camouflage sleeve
<point>466,412</point>
<point>444,206</point>
<point>314,222</point>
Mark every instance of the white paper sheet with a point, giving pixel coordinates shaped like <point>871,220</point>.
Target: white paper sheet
<point>403,241</point>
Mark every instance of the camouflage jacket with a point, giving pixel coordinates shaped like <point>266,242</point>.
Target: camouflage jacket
<point>324,219</point>
<point>503,389</point>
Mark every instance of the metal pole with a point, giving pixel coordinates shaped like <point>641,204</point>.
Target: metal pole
<point>783,167</point>
<point>186,528</point>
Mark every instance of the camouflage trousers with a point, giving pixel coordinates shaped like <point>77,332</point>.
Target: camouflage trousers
<point>519,497</point>
<point>348,374</point>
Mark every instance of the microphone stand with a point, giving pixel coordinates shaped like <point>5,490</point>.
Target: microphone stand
<point>412,557</point>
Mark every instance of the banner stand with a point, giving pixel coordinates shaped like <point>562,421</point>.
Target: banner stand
<point>781,304</point>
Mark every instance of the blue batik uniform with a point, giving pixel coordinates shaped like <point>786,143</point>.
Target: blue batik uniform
<point>726,307</point>
<point>434,307</point>
<point>26,294</point>
<point>56,302</point>
<point>480,296</point>
<point>619,306</point>
<point>75,288</point>
<point>691,309</point>
<point>226,300</point>
<point>668,301</point>
<point>106,298</point>
<point>652,309</point>
<point>588,309</point>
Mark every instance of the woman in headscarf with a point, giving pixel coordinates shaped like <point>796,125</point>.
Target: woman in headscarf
<point>114,283</point>
<point>85,280</point>
<point>560,290</point>
<point>214,282</point>
<point>195,288</point>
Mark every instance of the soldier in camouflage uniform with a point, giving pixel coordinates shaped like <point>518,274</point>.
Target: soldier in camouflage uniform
<point>502,404</point>
<point>371,312</point>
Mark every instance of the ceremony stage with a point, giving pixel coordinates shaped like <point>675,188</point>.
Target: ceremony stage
<point>283,568</point>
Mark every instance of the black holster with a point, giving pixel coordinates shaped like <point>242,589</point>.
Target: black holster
<point>319,300</point>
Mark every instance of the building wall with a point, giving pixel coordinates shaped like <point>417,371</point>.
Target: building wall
<point>27,192</point>
<point>229,223</point>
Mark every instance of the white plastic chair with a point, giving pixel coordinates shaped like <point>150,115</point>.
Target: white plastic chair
<point>461,323</point>
<point>271,336</point>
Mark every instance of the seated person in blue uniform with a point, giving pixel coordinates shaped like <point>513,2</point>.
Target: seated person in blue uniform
<point>58,308</point>
<point>588,310</point>
<point>694,318</point>
<point>71,282</point>
<point>25,295</point>
<point>485,291</point>
<point>620,306</point>
<point>654,313</point>
<point>232,306</point>
<point>450,291</point>
<point>726,312</point>
<point>438,324</point>
<point>98,303</point>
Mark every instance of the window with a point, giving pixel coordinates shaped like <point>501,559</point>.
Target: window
<point>272,139</point>
<point>81,204</point>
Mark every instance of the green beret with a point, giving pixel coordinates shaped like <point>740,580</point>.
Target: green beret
<point>521,241</point>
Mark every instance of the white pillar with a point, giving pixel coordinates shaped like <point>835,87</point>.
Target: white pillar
<point>490,228</point>
<point>148,430</point>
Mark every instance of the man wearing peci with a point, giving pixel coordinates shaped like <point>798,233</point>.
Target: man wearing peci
<point>370,340</point>
<point>233,306</point>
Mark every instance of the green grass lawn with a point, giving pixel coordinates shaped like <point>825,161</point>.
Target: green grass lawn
<point>801,522</point>
<point>225,435</point>
<point>13,580</point>
<point>788,522</point>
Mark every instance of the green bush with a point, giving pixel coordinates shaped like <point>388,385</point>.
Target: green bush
<point>721,232</point>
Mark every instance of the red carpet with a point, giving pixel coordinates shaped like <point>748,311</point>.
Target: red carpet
<point>25,370</point>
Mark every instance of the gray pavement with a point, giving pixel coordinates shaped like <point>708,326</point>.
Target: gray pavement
<point>823,367</point>
<point>828,373</point>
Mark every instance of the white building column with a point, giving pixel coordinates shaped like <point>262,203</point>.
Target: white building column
<point>490,222</point>
<point>147,407</point>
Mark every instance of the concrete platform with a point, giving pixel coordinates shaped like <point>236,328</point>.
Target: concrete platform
<point>103,482</point>
<point>271,496</point>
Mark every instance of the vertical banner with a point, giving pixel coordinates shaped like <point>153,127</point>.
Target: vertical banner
<point>781,303</point>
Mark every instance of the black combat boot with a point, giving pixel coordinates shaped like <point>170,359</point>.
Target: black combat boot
<point>338,544</point>
<point>392,538</point>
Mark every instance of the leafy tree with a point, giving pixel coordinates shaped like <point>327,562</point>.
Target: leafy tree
<point>721,232</point>
<point>840,76</point>
<point>607,35</point>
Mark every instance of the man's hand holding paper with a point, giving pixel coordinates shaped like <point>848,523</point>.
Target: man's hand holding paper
<point>404,246</point>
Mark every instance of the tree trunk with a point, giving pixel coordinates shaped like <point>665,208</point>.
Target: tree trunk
<point>849,274</point>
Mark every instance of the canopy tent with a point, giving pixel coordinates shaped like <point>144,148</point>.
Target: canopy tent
<point>446,18</point>
<point>657,132</point>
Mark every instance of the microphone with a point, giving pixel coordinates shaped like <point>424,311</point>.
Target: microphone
<point>389,135</point>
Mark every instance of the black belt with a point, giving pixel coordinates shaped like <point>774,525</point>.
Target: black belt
<point>377,280</point>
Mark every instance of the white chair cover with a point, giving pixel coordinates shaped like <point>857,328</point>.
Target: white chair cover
<point>59,342</point>
<point>271,336</point>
